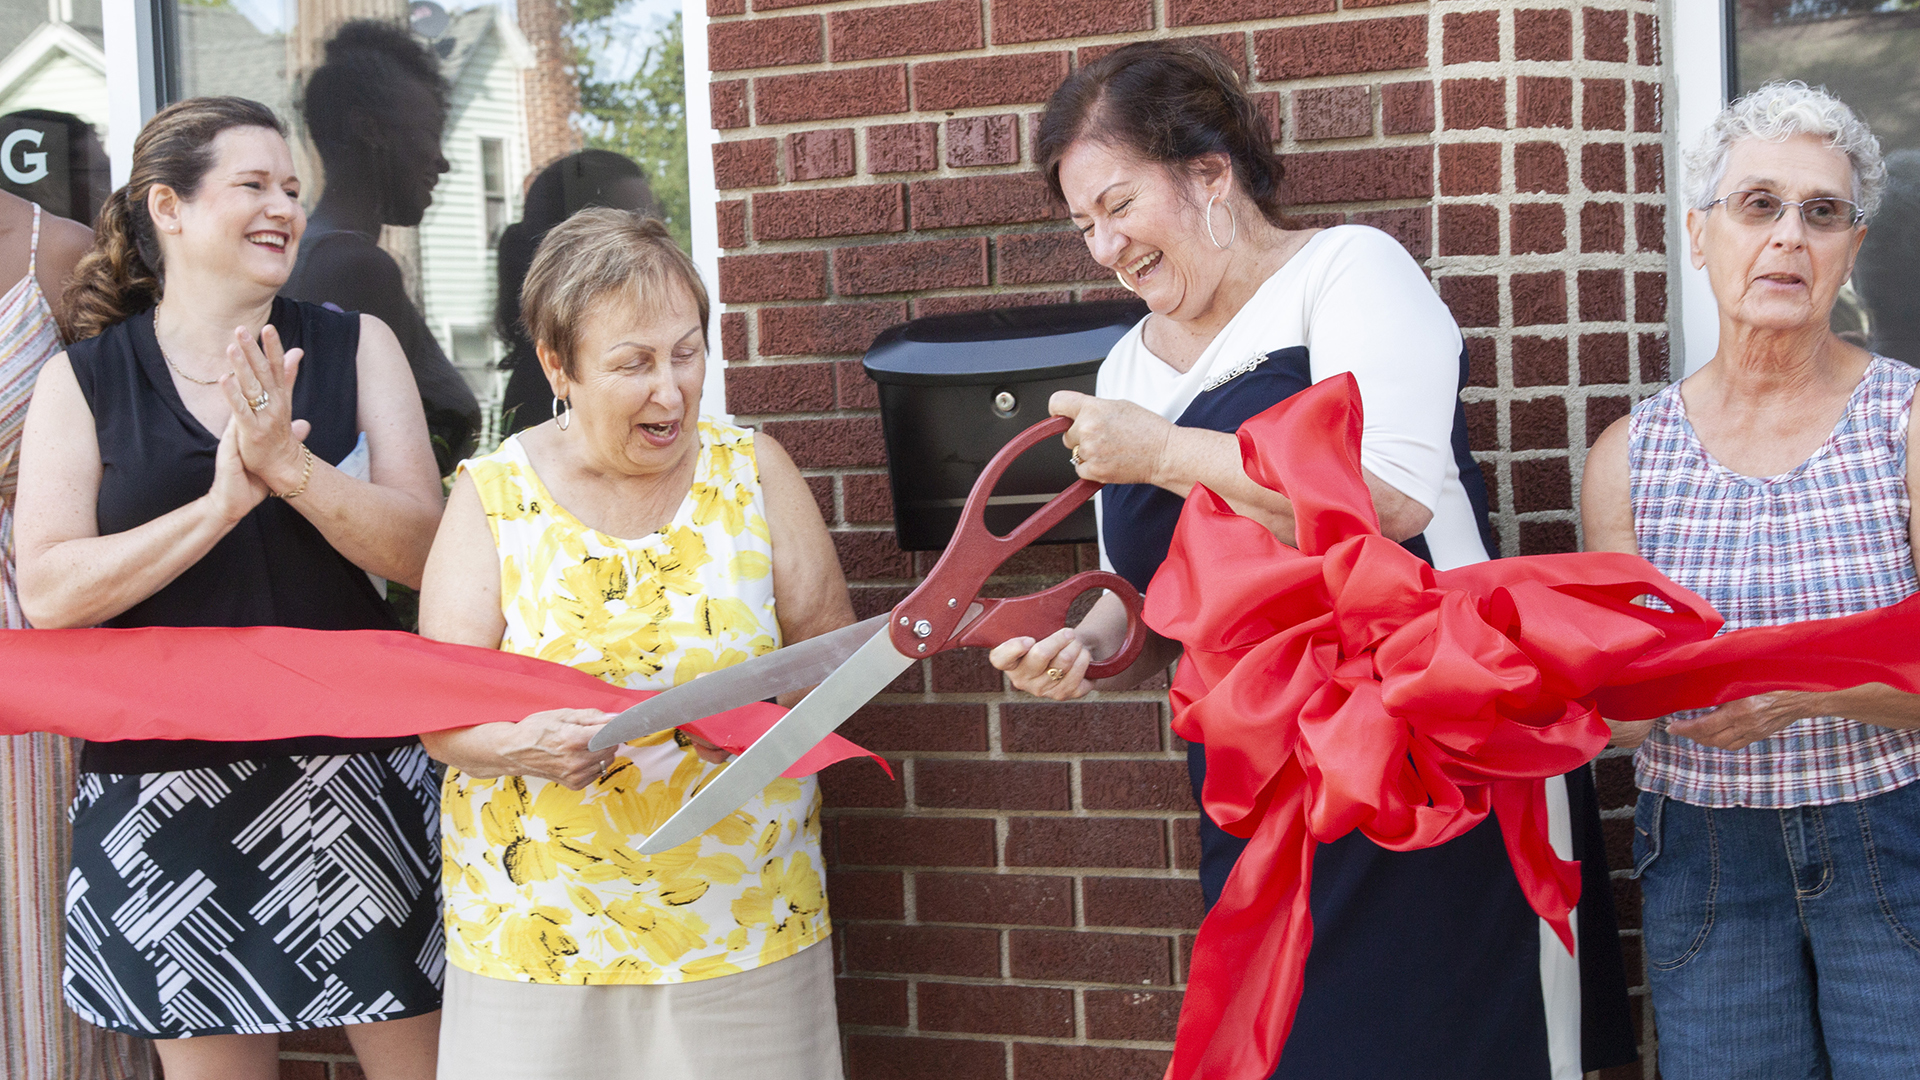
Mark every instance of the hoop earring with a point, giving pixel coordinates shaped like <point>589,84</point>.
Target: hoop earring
<point>1231,237</point>
<point>1122,279</point>
<point>562,418</point>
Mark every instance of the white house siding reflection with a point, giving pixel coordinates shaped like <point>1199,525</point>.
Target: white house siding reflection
<point>483,55</point>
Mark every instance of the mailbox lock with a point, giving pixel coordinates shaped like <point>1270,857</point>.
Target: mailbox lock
<point>1005,403</point>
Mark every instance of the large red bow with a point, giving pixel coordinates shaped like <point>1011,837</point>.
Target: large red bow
<point>1347,685</point>
<point>277,682</point>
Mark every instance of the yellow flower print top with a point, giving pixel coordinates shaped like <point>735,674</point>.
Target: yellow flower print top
<point>544,884</point>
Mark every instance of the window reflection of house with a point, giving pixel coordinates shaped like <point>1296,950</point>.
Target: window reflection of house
<point>483,55</point>
<point>52,59</point>
<point>223,52</point>
<point>1868,53</point>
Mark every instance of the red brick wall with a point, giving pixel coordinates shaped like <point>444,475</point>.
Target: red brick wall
<point>1021,903</point>
<point>1550,246</point>
<point>547,88</point>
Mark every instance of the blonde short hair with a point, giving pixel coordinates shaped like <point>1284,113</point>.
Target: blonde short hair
<point>597,254</point>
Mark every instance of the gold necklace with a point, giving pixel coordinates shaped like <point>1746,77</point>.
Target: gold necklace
<point>176,367</point>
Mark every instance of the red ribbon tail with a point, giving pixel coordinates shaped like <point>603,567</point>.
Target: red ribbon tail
<point>1550,884</point>
<point>1250,958</point>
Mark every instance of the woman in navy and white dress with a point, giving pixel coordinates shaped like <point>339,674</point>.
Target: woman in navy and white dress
<point>196,458</point>
<point>1425,963</point>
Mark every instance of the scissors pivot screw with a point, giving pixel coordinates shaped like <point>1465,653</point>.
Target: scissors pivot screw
<point>923,628</point>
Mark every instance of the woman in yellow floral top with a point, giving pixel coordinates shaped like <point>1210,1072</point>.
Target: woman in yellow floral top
<point>633,539</point>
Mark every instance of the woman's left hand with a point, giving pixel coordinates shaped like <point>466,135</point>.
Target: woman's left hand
<point>706,751</point>
<point>1053,667</point>
<point>1114,442</point>
<point>269,437</point>
<point>1746,721</point>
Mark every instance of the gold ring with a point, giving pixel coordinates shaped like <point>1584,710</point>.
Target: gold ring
<point>1056,674</point>
<point>256,404</point>
<point>1075,458</point>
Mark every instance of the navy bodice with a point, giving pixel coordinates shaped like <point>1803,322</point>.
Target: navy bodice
<point>1137,520</point>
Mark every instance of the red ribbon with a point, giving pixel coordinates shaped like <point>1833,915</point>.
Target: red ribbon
<point>277,682</point>
<point>1348,685</point>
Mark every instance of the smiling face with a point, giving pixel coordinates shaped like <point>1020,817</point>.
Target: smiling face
<point>635,387</point>
<point>1781,275</point>
<point>1147,223</point>
<point>244,220</point>
<point>407,152</point>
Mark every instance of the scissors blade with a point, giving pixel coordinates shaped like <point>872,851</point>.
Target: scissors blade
<point>792,667</point>
<point>865,674</point>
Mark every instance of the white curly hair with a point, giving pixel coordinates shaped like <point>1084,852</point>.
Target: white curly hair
<point>1776,112</point>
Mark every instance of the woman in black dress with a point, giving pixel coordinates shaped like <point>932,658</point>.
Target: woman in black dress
<point>206,454</point>
<point>1425,964</point>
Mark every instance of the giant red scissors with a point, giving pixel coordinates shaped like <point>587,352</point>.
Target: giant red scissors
<point>854,663</point>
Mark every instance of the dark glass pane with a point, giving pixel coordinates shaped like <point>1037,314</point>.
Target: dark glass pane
<point>1866,52</point>
<point>423,157</point>
<point>53,105</point>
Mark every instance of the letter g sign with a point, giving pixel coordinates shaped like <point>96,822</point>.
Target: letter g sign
<point>32,168</point>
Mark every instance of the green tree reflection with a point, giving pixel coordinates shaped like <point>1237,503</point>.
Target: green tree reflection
<point>635,109</point>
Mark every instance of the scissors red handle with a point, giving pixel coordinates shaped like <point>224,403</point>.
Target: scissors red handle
<point>924,623</point>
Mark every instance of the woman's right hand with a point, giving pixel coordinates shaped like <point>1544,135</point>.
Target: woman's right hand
<point>235,491</point>
<point>1113,441</point>
<point>1054,667</point>
<point>548,745</point>
<point>1629,733</point>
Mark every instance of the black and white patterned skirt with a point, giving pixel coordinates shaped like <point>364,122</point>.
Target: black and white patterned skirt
<point>260,896</point>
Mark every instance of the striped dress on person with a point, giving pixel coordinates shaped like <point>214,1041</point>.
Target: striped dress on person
<point>40,1038</point>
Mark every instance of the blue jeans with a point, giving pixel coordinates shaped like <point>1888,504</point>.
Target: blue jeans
<point>1783,944</point>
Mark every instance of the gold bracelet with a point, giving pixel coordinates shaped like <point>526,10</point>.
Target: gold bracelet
<point>305,475</point>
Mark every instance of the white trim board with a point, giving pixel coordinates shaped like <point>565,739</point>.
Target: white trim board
<point>1699,65</point>
<point>701,195</point>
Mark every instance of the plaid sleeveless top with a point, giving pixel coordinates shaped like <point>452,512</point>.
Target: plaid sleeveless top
<point>1826,538</point>
<point>28,339</point>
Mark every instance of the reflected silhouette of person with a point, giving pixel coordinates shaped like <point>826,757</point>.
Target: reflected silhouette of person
<point>89,171</point>
<point>571,184</point>
<point>1886,272</point>
<point>375,111</point>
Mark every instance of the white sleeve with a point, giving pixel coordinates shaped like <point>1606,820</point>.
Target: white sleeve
<point>1371,311</point>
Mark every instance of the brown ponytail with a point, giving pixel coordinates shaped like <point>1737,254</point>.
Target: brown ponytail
<point>123,275</point>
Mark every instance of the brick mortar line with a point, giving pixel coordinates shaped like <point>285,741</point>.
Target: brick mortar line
<point>864,121</point>
<point>865,177</point>
<point>992,49</point>
<point>972,813</point>
<point>1026,982</point>
<point>1512,136</point>
<point>1139,873</point>
<point>1160,24</point>
<point>1003,697</point>
<point>1010,1040</point>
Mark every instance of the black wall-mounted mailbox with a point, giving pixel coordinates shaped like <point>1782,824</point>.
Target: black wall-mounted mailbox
<point>956,388</point>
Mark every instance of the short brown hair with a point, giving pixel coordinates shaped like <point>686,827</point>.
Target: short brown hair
<point>1171,102</point>
<point>597,253</point>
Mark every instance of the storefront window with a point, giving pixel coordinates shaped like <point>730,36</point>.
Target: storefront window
<point>437,145</point>
<point>53,105</point>
<point>1865,52</point>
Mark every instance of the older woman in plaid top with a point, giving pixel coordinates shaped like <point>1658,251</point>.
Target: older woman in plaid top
<point>1777,837</point>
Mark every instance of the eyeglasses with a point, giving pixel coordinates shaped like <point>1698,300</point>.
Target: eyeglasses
<point>1825,214</point>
